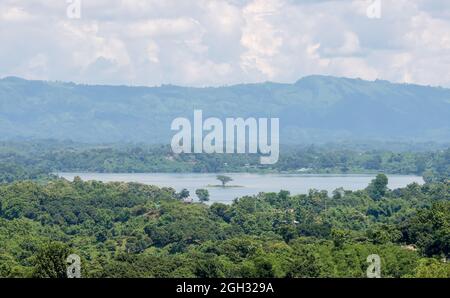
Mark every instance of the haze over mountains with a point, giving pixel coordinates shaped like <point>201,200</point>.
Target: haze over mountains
<point>314,109</point>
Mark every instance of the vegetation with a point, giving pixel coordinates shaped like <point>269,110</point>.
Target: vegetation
<point>224,179</point>
<point>202,194</point>
<point>133,230</point>
<point>313,110</point>
<point>37,160</point>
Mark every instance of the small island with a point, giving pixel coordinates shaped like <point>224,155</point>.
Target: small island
<point>224,179</point>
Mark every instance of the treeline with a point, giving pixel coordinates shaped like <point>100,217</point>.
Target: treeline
<point>10,172</point>
<point>32,160</point>
<point>134,230</point>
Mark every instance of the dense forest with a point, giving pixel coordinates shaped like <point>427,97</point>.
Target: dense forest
<point>132,230</point>
<point>38,160</point>
<point>135,230</point>
<point>315,109</point>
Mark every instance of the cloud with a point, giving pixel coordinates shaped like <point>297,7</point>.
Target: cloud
<point>201,42</point>
<point>14,14</point>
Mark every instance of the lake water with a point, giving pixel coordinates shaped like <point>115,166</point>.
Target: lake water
<point>249,184</point>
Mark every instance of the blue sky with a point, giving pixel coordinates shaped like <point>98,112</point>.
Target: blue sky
<point>211,43</point>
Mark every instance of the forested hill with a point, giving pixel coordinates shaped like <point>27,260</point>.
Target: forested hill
<point>314,109</point>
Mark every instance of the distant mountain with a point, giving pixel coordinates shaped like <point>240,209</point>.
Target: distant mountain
<point>314,109</point>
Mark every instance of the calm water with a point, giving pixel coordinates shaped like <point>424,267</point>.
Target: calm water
<point>249,184</point>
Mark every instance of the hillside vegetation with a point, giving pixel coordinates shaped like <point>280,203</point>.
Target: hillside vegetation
<point>314,109</point>
<point>132,230</point>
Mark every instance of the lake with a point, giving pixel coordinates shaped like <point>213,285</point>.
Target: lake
<point>248,184</point>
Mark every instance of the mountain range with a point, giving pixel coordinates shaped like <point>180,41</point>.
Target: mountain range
<point>314,109</point>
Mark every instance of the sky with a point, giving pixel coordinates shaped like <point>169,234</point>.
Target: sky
<point>224,42</point>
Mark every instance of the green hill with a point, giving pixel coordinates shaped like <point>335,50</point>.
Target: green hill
<point>314,109</point>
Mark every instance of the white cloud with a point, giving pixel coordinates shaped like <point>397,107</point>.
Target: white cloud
<point>14,14</point>
<point>153,52</point>
<point>260,38</point>
<point>204,42</point>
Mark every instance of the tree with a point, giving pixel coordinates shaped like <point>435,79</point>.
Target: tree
<point>305,263</point>
<point>202,194</point>
<point>432,268</point>
<point>378,187</point>
<point>429,229</point>
<point>184,193</point>
<point>263,267</point>
<point>339,237</point>
<point>338,193</point>
<point>374,163</point>
<point>224,179</point>
<point>50,261</point>
<point>207,266</point>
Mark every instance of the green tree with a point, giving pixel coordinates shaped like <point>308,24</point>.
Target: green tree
<point>305,263</point>
<point>50,261</point>
<point>339,237</point>
<point>202,194</point>
<point>224,179</point>
<point>263,267</point>
<point>429,229</point>
<point>378,187</point>
<point>184,193</point>
<point>432,268</point>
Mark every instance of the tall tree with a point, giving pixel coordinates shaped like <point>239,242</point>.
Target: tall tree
<point>184,193</point>
<point>202,194</point>
<point>50,261</point>
<point>224,179</point>
<point>378,187</point>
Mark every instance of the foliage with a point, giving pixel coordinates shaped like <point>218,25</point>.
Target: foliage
<point>37,160</point>
<point>313,109</point>
<point>202,194</point>
<point>224,179</point>
<point>50,261</point>
<point>378,187</point>
<point>133,230</point>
